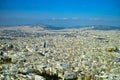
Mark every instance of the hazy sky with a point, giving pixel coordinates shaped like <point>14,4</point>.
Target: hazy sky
<point>83,12</point>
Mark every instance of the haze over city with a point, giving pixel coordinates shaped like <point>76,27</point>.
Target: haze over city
<point>60,12</point>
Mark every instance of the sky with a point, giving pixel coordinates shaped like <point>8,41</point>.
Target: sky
<point>60,12</point>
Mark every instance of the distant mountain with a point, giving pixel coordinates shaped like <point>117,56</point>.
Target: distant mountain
<point>53,27</point>
<point>94,27</point>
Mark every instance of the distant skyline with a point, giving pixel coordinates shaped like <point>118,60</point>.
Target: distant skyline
<point>60,12</point>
